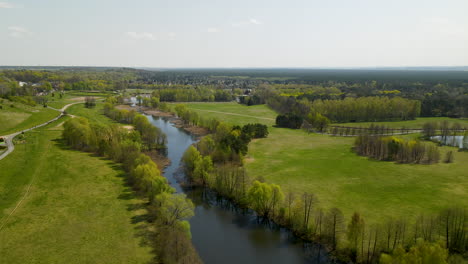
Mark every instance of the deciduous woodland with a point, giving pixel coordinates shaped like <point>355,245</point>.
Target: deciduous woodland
<point>397,149</point>
<point>367,178</point>
<point>168,212</point>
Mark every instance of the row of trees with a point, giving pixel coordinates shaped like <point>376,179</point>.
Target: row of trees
<point>168,212</point>
<point>371,130</point>
<point>443,128</point>
<point>151,136</point>
<point>193,94</point>
<point>365,109</point>
<point>320,113</point>
<point>396,149</point>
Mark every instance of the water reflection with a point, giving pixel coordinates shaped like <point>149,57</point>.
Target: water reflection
<point>224,233</point>
<point>454,141</point>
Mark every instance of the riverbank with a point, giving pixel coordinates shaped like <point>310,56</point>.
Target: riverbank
<point>179,123</point>
<point>223,231</point>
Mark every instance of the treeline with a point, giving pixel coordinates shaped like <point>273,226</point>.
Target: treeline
<point>368,109</point>
<point>151,136</point>
<point>396,149</point>
<point>361,109</point>
<point>351,240</point>
<point>228,143</point>
<point>167,212</point>
<point>45,81</point>
<point>289,120</point>
<point>443,128</point>
<point>193,94</point>
<point>371,130</point>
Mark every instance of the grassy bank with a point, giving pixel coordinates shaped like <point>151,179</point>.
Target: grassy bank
<point>75,208</point>
<point>327,166</point>
<point>94,114</point>
<point>16,116</point>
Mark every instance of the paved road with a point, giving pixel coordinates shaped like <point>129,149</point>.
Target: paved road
<point>9,138</point>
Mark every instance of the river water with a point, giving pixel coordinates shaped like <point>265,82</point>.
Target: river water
<point>223,233</point>
<point>454,141</point>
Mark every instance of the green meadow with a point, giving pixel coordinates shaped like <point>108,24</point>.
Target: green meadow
<point>17,116</point>
<point>235,113</point>
<point>326,166</point>
<point>94,114</point>
<point>63,206</point>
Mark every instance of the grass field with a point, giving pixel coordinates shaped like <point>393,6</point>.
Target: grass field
<point>235,113</point>
<point>326,166</point>
<point>94,114</point>
<point>74,206</point>
<point>19,117</point>
<point>417,123</point>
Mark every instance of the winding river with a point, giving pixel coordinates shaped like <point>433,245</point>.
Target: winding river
<point>223,233</point>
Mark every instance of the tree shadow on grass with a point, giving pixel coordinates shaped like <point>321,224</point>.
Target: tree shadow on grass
<point>140,222</point>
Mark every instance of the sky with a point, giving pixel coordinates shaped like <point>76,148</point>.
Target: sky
<point>237,33</point>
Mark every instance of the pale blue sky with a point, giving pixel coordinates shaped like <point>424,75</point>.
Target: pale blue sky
<point>240,33</point>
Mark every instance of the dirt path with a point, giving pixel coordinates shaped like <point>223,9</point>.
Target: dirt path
<point>11,147</point>
<point>9,138</point>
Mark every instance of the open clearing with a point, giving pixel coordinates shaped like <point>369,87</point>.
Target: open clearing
<point>20,116</point>
<point>326,166</point>
<point>235,113</point>
<point>75,207</point>
<point>94,114</point>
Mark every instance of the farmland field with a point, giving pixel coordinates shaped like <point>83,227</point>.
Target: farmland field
<point>327,166</point>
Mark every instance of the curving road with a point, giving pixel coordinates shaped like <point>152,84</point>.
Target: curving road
<point>9,138</point>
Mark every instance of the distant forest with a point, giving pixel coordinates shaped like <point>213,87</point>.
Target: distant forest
<point>299,91</point>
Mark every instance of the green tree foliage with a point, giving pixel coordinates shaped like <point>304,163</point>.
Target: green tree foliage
<point>169,212</point>
<point>396,149</point>
<point>90,102</point>
<point>289,120</point>
<point>265,198</point>
<point>318,121</point>
<point>422,252</point>
<point>355,235</point>
<point>350,109</point>
<point>335,227</point>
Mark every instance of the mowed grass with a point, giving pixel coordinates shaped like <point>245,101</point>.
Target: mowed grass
<point>76,207</point>
<point>417,123</point>
<point>235,113</point>
<point>71,97</point>
<point>20,117</point>
<point>326,166</point>
<point>94,114</point>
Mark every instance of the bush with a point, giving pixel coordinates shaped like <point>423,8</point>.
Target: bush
<point>289,120</point>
